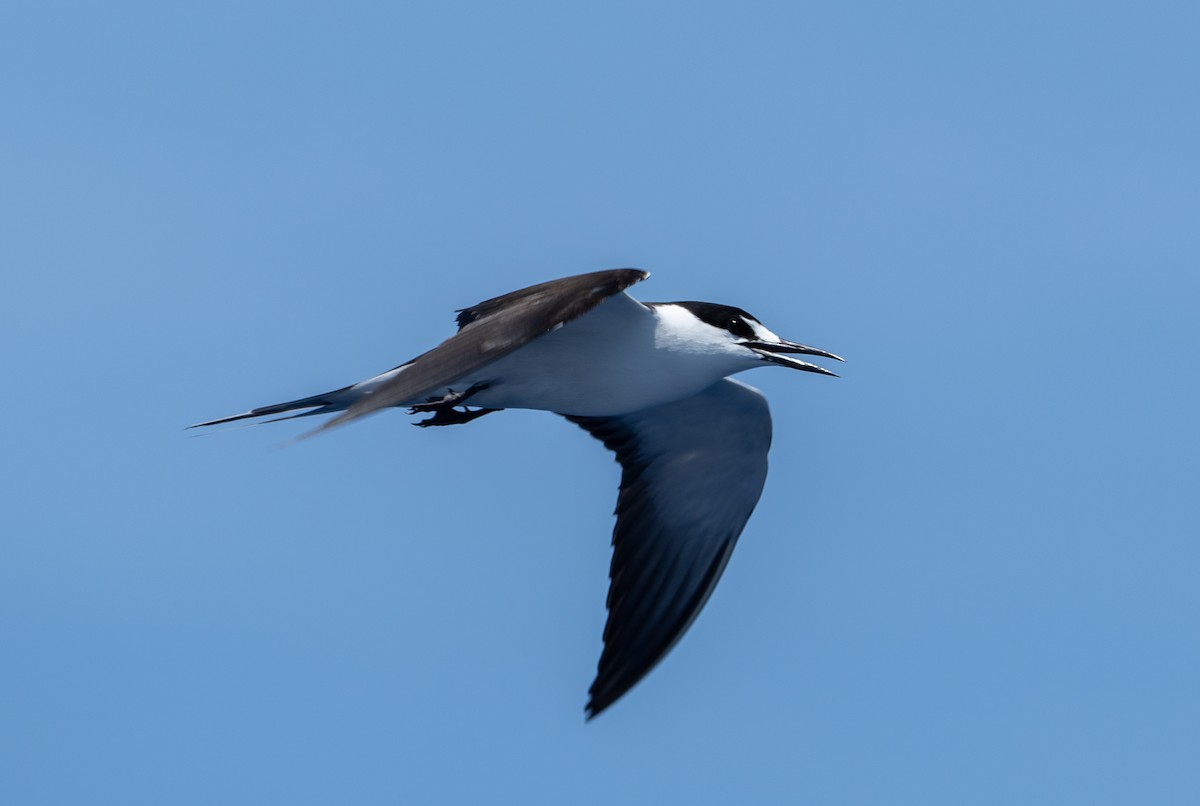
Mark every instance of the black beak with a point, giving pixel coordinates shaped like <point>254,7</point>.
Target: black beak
<point>777,353</point>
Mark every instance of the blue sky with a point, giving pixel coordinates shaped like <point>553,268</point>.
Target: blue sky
<point>972,576</point>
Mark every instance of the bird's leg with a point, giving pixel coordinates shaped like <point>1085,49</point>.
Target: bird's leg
<point>449,416</point>
<point>443,409</point>
<point>451,398</point>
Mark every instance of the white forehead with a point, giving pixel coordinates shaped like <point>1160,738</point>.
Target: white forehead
<point>761,331</point>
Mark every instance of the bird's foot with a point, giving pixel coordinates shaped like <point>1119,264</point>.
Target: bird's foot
<point>449,416</point>
<point>444,411</point>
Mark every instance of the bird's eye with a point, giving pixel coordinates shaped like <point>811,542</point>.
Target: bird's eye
<point>740,328</point>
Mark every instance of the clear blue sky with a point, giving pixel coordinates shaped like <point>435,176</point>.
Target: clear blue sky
<point>972,578</point>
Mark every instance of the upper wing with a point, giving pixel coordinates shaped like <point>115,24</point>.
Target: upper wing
<point>491,330</point>
<point>692,472</point>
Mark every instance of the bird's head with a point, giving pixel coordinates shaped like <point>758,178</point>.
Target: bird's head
<point>744,338</point>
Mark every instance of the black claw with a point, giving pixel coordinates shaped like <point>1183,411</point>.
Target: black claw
<point>451,398</point>
<point>443,409</point>
<point>451,416</point>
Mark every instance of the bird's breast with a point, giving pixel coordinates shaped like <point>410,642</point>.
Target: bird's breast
<point>610,362</point>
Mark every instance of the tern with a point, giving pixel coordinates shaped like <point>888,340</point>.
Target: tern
<point>650,381</point>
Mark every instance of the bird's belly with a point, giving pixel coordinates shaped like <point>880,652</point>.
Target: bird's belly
<point>580,397</point>
<point>590,379</point>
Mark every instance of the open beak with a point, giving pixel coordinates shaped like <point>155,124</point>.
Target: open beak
<point>780,352</point>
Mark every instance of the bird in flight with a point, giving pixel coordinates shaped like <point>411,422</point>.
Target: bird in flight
<point>650,381</point>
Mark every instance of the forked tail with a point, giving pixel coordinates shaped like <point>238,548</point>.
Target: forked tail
<point>337,400</point>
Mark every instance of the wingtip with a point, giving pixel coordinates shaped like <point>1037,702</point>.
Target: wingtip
<point>624,277</point>
<point>592,710</point>
<point>641,274</point>
<point>601,699</point>
<point>312,432</point>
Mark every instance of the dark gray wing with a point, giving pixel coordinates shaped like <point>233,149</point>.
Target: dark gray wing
<point>491,330</point>
<point>556,301</point>
<point>692,472</point>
